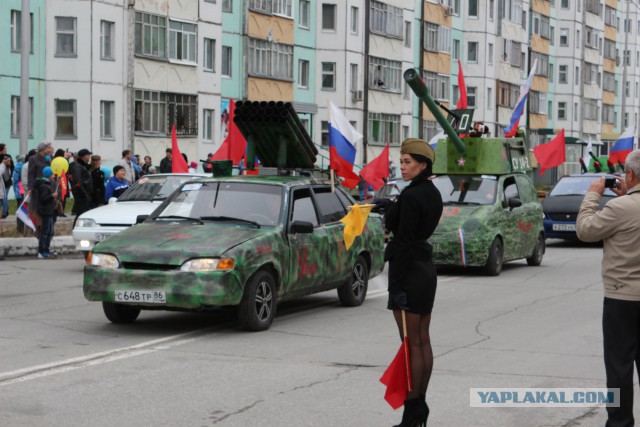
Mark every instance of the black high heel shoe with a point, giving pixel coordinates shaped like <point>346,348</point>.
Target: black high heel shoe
<point>415,414</point>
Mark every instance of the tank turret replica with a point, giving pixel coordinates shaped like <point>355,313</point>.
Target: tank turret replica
<point>491,212</point>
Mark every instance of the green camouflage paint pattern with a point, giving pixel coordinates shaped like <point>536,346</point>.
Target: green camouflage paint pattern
<point>483,156</point>
<point>151,254</point>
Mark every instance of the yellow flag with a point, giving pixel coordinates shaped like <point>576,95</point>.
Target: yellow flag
<point>354,222</point>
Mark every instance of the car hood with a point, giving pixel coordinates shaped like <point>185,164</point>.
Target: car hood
<point>455,216</point>
<point>567,204</point>
<point>120,213</point>
<point>174,243</point>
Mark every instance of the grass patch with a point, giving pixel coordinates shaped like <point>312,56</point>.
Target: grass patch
<point>13,206</point>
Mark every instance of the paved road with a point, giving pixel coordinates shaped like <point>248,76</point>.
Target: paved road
<point>63,364</point>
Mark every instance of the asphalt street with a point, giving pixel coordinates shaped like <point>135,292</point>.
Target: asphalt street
<point>63,364</point>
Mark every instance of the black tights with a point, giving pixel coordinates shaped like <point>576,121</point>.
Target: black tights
<point>420,352</point>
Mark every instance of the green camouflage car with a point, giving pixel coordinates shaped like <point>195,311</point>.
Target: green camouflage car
<point>245,241</point>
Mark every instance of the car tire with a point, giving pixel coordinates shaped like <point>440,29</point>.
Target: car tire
<point>493,267</point>
<point>538,251</point>
<point>120,313</point>
<point>258,305</point>
<point>354,291</point>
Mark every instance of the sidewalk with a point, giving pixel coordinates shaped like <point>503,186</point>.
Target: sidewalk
<point>10,245</point>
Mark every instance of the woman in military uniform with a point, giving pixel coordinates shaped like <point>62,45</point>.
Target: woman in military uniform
<point>412,276</point>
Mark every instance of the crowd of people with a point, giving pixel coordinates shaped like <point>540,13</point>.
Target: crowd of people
<point>39,180</point>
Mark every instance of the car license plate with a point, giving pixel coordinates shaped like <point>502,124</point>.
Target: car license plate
<point>153,297</point>
<point>102,236</point>
<point>563,227</point>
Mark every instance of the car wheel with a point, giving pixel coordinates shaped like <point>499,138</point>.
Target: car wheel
<point>120,313</point>
<point>258,305</point>
<point>538,251</point>
<point>494,263</point>
<point>354,291</point>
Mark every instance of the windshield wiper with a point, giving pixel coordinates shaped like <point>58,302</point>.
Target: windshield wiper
<point>454,202</point>
<point>180,217</point>
<point>229,218</point>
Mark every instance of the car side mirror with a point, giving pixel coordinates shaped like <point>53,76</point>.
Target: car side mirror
<point>141,218</point>
<point>302,227</point>
<point>514,202</point>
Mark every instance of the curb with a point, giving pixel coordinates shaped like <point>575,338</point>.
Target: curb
<point>28,246</point>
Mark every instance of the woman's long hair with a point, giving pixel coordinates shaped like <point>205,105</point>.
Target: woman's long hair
<point>425,174</point>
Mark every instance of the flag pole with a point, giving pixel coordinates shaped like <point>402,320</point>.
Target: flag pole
<point>405,343</point>
<point>333,185</point>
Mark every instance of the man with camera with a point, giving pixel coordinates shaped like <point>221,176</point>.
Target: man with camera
<point>618,225</point>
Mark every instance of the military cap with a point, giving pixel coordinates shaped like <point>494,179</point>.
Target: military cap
<point>418,146</point>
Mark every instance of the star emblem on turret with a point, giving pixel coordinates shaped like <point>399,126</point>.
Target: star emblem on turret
<point>461,161</point>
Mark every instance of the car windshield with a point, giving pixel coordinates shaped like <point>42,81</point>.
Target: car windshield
<point>222,201</point>
<point>149,188</point>
<point>576,186</point>
<point>467,189</point>
<point>392,189</point>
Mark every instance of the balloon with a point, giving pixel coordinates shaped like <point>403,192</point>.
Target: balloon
<point>59,165</point>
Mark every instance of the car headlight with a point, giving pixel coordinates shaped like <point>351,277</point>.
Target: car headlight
<point>104,260</point>
<point>85,222</point>
<point>207,264</point>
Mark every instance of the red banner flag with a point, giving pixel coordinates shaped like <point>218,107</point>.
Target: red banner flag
<point>234,145</point>
<point>377,169</point>
<point>551,154</point>
<point>178,163</point>
<point>462,101</point>
<point>397,377</point>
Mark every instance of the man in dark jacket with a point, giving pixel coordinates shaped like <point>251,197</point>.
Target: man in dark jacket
<point>81,182</point>
<point>166,164</point>
<point>47,211</point>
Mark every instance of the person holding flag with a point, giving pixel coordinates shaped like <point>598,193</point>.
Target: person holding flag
<point>412,278</point>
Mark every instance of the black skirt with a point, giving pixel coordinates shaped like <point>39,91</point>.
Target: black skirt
<point>420,286</point>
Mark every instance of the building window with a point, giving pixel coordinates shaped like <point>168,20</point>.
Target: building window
<point>430,128</point>
<point>16,31</point>
<point>508,94</point>
<point>610,50</point>
<point>576,76</point>
<point>437,85</point>
<point>564,4</point>
<point>543,63</point>
<point>610,16</point>
<point>609,82</point>
<point>324,133</point>
<point>150,111</point>
<point>538,102</point>
<point>473,8</point>
<point>490,54</point>
<point>183,113</point>
<point>208,117</point>
<point>575,111</point>
<point>276,7</point>
<point>564,37</point>
<point>106,118</point>
<point>15,116</point>
<point>551,73</point>
<point>65,36</point>
<point>182,41</point>
<point>456,49</point>
<point>354,77</point>
<point>209,55</point>
<point>626,88</point>
<point>329,17</point>
<point>608,113</point>
<point>552,35</point>
<point>385,20</point>
<point>591,74</point>
<point>491,8</point>
<point>150,35</point>
<point>329,76</point>
<point>563,74</point>
<point>354,19</point>
<point>562,111</point>
<point>472,52</point>
<point>303,74</point>
<point>471,96</point>
<point>407,34</point>
<point>303,13</point>
<point>65,118</point>
<point>489,98</point>
<point>431,36</point>
<point>384,128</point>
<point>226,61</point>
<point>385,74</point>
<point>227,6</point>
<point>512,53</point>
<point>106,40</point>
<point>270,59</point>
<point>541,25</point>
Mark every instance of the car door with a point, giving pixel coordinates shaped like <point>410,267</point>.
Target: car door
<point>531,224</point>
<point>331,212</point>
<point>308,250</point>
<point>510,219</point>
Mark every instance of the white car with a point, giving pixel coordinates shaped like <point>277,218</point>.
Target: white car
<point>142,198</point>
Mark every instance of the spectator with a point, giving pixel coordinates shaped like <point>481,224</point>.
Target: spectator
<point>193,167</point>
<point>127,164</point>
<point>208,167</point>
<point>81,182</point>
<point>153,170</point>
<point>117,184</point>
<point>146,165</point>
<point>166,165</point>
<point>5,174</point>
<point>8,182</point>
<point>37,162</point>
<point>97,177</point>
<point>47,211</point>
<point>18,191</point>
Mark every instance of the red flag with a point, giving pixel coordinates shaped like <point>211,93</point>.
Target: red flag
<point>551,154</point>
<point>64,186</point>
<point>343,169</point>
<point>462,101</point>
<point>234,145</point>
<point>178,163</point>
<point>397,377</point>
<point>377,169</point>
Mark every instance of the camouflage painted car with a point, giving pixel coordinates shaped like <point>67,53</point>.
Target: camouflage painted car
<point>245,241</point>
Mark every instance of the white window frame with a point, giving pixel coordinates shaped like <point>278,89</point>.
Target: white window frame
<point>155,103</point>
<point>303,73</point>
<point>469,50</point>
<point>16,31</point>
<point>226,61</point>
<point>355,19</point>
<point>106,40</point>
<point>209,53</point>
<point>64,32</point>
<point>469,7</point>
<point>15,116</point>
<point>156,27</point>
<point>304,8</point>
<point>183,46</point>
<point>385,74</point>
<point>329,26</point>
<point>328,71</point>
<point>208,120</point>
<point>107,117</point>
<point>388,126</point>
<point>66,114</point>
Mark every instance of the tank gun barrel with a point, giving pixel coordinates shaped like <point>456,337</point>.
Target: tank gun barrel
<point>416,84</point>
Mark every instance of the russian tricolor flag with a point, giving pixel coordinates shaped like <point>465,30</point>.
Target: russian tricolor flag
<point>623,146</point>
<point>510,131</point>
<point>24,215</point>
<point>342,150</point>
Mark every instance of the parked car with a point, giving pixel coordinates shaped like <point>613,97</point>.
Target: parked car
<point>562,205</point>
<point>141,198</point>
<point>248,242</point>
<point>488,220</point>
<point>388,193</point>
